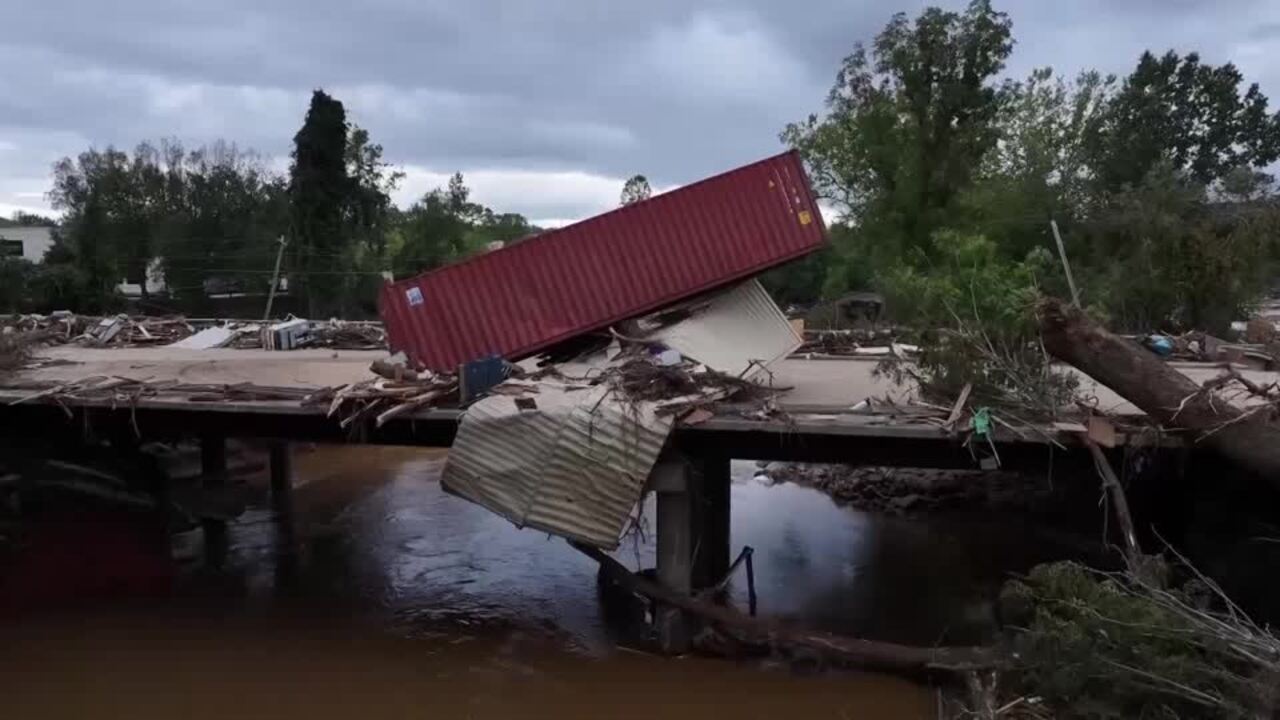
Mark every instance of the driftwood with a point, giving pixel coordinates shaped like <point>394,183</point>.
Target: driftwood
<point>1246,437</point>
<point>393,371</point>
<point>865,654</point>
<point>1132,552</point>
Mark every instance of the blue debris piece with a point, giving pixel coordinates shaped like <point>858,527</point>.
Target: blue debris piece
<point>1159,344</point>
<point>478,376</point>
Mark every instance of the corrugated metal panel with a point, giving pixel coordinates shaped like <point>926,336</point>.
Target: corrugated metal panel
<point>585,276</point>
<point>574,467</point>
<point>739,330</point>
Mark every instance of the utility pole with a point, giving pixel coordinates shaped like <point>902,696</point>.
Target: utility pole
<point>1062,253</point>
<point>275,279</point>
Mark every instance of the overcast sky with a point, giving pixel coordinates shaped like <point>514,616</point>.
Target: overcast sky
<point>545,105</point>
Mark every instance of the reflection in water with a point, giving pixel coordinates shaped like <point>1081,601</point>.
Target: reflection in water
<point>400,600</point>
<point>885,578</point>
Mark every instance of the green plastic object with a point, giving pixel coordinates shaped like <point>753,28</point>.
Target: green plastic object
<point>981,422</point>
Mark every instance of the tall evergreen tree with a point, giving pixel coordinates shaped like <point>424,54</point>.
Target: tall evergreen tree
<point>319,187</point>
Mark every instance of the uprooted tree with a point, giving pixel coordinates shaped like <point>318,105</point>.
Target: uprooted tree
<point>1249,437</point>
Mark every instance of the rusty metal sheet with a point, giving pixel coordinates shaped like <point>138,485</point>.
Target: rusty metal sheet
<point>521,299</point>
<point>572,462</point>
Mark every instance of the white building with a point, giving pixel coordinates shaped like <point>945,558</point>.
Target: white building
<point>28,243</point>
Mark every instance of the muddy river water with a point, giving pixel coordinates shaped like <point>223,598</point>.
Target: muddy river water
<point>401,601</point>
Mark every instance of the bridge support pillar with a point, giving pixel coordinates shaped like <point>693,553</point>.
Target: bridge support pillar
<point>213,473</point>
<point>671,482</point>
<point>281,460</point>
<point>693,534</point>
<point>710,488</point>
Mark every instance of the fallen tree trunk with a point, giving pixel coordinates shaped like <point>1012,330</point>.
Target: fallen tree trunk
<point>865,654</point>
<point>1247,437</point>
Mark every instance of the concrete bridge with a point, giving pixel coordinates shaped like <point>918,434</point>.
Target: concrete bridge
<point>691,480</point>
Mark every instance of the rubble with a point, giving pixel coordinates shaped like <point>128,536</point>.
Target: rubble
<point>63,327</point>
<point>117,390</point>
<point>214,337</point>
<point>14,351</point>
<point>287,335</point>
<point>864,343</point>
<point>349,335</point>
<point>845,342</point>
<point>397,391</point>
<point>591,429</point>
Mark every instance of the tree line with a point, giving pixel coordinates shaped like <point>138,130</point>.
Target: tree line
<point>946,176</point>
<point>213,220</point>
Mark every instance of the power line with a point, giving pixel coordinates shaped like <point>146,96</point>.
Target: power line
<point>268,272</point>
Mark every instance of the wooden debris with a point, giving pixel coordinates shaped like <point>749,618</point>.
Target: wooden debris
<point>386,399</point>
<point>1119,503</point>
<point>416,402</point>
<point>1101,431</point>
<point>349,335</point>
<point>128,391</point>
<point>393,371</point>
<point>958,408</point>
<point>867,654</point>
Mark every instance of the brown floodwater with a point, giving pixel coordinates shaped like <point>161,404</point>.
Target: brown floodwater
<point>398,600</point>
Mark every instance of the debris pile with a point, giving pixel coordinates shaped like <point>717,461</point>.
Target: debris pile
<point>123,330</point>
<point>398,390</point>
<point>1196,346</point>
<point>54,329</point>
<point>63,327</point>
<point>116,391</point>
<point>681,389</point>
<point>348,335</point>
<point>860,343</point>
<point>842,342</point>
<point>14,350</point>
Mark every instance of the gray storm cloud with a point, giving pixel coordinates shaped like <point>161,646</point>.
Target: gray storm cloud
<point>547,105</point>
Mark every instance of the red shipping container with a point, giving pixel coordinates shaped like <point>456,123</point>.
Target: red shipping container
<point>583,277</point>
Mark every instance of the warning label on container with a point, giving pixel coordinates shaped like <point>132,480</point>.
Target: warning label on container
<point>414,294</point>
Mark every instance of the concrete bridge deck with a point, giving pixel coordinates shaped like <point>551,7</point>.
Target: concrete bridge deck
<point>816,424</point>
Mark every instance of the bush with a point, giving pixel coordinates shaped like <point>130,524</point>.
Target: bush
<point>63,287</point>
<point>1096,645</point>
<point>975,316</point>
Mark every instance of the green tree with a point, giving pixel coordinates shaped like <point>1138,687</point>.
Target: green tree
<point>635,189</point>
<point>105,214</point>
<point>15,276</point>
<point>1039,170</point>
<point>445,226</point>
<point>22,218</point>
<point>370,216</point>
<point>1176,109</point>
<point>319,193</point>
<point>206,220</point>
<point>224,212</point>
<point>975,313</point>
<point>906,127</point>
<point>1163,255</point>
<point>373,180</point>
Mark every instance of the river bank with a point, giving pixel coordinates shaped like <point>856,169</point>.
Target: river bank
<point>913,491</point>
